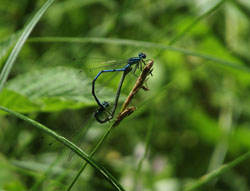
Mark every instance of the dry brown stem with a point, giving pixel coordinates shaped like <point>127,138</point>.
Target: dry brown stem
<point>126,111</point>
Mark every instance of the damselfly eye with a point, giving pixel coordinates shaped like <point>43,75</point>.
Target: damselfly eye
<point>105,104</point>
<point>142,55</point>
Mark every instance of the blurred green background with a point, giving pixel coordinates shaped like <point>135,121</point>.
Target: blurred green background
<point>194,118</point>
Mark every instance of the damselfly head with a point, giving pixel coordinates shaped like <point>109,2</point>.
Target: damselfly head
<point>105,104</point>
<point>103,115</point>
<point>142,55</point>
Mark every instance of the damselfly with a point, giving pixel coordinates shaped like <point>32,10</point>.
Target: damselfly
<point>137,62</point>
<point>104,108</point>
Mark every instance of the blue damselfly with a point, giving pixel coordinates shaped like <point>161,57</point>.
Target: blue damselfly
<point>137,62</point>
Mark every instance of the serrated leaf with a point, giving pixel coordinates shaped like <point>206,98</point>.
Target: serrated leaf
<point>17,102</point>
<point>59,103</point>
<point>20,42</point>
<point>50,82</point>
<point>55,89</point>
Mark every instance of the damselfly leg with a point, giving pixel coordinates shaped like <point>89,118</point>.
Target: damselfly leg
<point>137,62</point>
<point>103,110</point>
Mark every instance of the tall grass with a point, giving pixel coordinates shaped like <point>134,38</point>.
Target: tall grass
<point>188,131</point>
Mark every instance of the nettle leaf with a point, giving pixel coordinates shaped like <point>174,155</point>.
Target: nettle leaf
<point>17,102</point>
<point>20,42</point>
<point>56,88</point>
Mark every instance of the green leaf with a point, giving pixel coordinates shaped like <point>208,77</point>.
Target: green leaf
<point>51,89</point>
<point>145,44</point>
<point>52,82</point>
<point>68,144</point>
<point>215,173</point>
<point>15,51</point>
<point>17,102</point>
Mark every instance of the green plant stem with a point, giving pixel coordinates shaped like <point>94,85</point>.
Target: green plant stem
<point>98,145</point>
<point>69,144</point>
<point>138,85</point>
<point>38,184</point>
<point>215,173</point>
<point>24,35</point>
<point>242,7</point>
<point>189,27</point>
<point>143,44</point>
<point>123,114</point>
<point>148,141</point>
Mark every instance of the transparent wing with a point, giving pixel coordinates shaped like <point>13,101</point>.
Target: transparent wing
<point>79,135</point>
<point>91,64</point>
<point>105,87</point>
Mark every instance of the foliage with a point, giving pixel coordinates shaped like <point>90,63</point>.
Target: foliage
<point>192,122</point>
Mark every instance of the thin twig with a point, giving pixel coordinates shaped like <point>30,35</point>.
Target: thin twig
<point>128,111</point>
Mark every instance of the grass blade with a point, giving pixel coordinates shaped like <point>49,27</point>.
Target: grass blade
<point>210,176</point>
<point>184,32</point>
<point>26,32</point>
<point>68,144</point>
<point>6,47</point>
<point>143,44</point>
<point>137,86</point>
<point>146,151</point>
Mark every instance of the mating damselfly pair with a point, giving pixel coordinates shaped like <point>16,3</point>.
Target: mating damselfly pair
<point>104,113</point>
